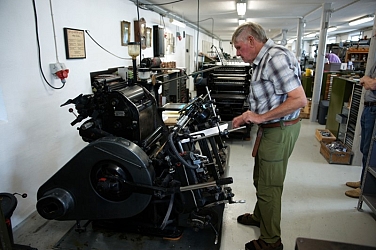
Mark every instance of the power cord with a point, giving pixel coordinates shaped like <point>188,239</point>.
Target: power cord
<point>100,46</point>
<point>39,54</point>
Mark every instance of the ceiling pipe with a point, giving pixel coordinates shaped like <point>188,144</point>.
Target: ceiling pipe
<point>146,5</point>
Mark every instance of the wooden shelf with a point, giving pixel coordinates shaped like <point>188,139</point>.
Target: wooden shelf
<point>358,54</point>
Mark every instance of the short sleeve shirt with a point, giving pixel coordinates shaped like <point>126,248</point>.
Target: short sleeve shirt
<point>276,72</point>
<point>370,96</point>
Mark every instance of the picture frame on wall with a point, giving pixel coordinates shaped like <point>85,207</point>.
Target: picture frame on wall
<point>140,32</point>
<point>74,40</point>
<point>148,37</point>
<point>125,33</point>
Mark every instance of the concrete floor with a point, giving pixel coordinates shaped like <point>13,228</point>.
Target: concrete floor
<point>314,203</point>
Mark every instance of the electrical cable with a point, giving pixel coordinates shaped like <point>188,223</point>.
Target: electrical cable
<point>87,32</point>
<point>53,29</point>
<point>39,54</point>
<point>168,213</point>
<point>177,154</point>
<point>160,4</point>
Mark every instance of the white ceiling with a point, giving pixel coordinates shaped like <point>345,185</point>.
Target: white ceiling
<point>273,15</point>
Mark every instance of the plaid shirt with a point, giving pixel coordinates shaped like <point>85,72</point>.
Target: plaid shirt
<point>276,72</point>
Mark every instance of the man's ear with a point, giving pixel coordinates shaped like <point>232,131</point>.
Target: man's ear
<point>251,41</point>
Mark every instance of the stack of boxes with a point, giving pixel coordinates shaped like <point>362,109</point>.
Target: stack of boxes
<point>333,151</point>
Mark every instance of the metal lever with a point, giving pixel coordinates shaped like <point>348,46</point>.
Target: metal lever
<point>238,201</point>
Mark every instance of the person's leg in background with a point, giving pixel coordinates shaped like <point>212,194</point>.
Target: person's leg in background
<point>367,123</point>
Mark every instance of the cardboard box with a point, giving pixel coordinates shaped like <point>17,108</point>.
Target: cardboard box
<point>332,66</point>
<point>307,108</point>
<point>336,157</point>
<point>320,135</point>
<point>303,115</point>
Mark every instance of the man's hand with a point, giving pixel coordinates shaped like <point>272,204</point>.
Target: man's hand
<point>251,117</point>
<point>247,117</point>
<point>237,121</point>
<point>368,83</point>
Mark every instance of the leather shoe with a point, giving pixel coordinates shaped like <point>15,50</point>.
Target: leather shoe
<point>353,184</point>
<point>247,219</point>
<point>262,245</point>
<point>353,193</point>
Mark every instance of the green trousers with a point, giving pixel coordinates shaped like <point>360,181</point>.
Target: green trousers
<point>269,173</point>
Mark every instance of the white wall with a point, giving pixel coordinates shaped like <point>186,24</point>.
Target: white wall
<point>36,136</point>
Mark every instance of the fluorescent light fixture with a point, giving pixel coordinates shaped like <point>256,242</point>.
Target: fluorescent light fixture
<point>177,23</point>
<point>241,21</point>
<point>311,35</point>
<point>361,20</point>
<point>332,28</point>
<point>241,7</point>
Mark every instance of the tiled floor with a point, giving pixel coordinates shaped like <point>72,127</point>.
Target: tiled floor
<point>314,204</point>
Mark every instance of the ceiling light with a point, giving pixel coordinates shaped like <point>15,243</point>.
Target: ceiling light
<point>177,23</point>
<point>332,28</point>
<point>241,21</point>
<point>311,35</point>
<point>361,20</point>
<point>241,7</point>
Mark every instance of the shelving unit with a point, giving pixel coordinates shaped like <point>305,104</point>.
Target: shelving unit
<point>326,87</point>
<point>345,90</point>
<point>358,57</point>
<point>353,115</point>
<point>368,188</point>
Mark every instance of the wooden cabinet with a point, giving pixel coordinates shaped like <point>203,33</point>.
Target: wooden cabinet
<point>340,93</point>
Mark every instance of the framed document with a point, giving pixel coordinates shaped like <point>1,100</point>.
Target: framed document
<point>74,43</point>
<point>148,37</point>
<point>125,32</point>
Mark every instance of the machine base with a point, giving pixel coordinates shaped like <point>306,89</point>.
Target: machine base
<point>110,239</point>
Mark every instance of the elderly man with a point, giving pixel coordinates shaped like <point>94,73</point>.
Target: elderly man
<point>275,98</point>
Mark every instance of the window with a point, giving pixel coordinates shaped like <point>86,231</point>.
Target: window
<point>331,40</point>
<point>355,36</point>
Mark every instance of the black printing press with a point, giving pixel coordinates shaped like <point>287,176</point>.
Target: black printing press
<point>138,175</point>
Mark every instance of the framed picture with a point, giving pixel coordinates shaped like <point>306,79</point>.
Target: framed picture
<point>74,40</point>
<point>148,37</point>
<point>125,32</point>
<point>140,32</point>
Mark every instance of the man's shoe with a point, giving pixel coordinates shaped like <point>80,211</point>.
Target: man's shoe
<point>353,184</point>
<point>262,245</point>
<point>247,219</point>
<point>353,193</point>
